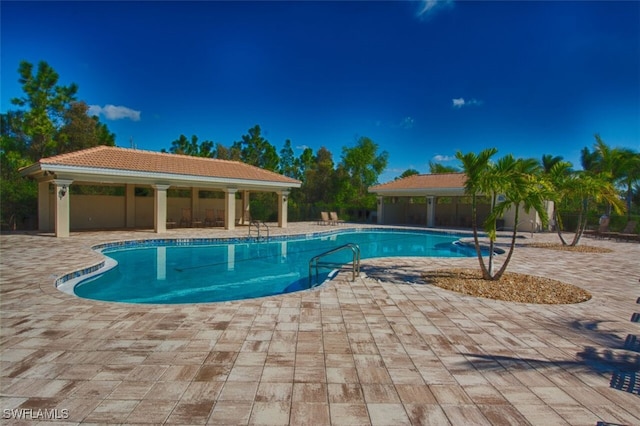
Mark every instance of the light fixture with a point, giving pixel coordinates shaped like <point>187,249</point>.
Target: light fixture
<point>284,198</point>
<point>63,191</point>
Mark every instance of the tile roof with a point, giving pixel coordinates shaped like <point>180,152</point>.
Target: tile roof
<point>114,158</point>
<point>427,181</point>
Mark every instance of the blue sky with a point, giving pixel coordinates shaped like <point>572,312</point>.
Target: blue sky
<point>422,79</point>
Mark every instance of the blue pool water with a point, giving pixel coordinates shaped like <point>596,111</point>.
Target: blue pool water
<point>180,272</point>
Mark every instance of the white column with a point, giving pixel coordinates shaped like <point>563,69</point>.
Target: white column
<point>62,217</point>
<point>431,211</point>
<point>44,224</point>
<point>230,208</point>
<point>380,210</point>
<point>160,208</point>
<point>283,203</point>
<point>246,208</point>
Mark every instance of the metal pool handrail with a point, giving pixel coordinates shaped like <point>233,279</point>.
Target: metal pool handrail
<point>355,249</point>
<point>257,224</point>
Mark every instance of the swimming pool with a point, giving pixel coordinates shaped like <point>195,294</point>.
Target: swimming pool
<point>198,271</point>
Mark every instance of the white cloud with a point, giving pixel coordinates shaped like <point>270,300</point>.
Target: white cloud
<point>443,158</point>
<point>302,147</point>
<point>114,112</point>
<point>461,102</point>
<point>407,123</point>
<point>428,7</point>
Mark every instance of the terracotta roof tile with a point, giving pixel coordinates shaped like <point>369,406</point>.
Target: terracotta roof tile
<point>114,158</point>
<point>444,180</point>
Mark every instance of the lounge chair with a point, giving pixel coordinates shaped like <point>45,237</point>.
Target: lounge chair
<point>209,217</point>
<point>603,229</point>
<point>334,218</point>
<point>219,220</point>
<point>188,220</point>
<point>214,217</point>
<point>628,234</point>
<point>324,219</point>
<point>185,220</point>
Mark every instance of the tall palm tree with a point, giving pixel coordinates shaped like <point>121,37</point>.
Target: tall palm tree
<point>629,172</point>
<point>474,167</point>
<point>510,183</point>
<point>620,166</point>
<point>558,179</point>
<point>494,183</point>
<point>582,189</point>
<point>548,161</point>
<point>524,187</point>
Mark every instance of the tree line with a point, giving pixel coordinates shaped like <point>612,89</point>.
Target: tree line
<point>50,120</point>
<point>527,184</point>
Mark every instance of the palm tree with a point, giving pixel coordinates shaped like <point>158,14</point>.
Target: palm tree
<point>621,166</point>
<point>629,172</point>
<point>558,178</point>
<point>494,182</point>
<point>548,161</point>
<point>510,183</point>
<point>474,167</point>
<point>522,186</point>
<point>581,189</point>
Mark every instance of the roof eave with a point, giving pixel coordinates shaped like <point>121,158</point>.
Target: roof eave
<point>91,174</point>
<point>418,191</point>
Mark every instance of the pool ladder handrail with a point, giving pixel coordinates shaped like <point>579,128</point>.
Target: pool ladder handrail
<point>355,249</point>
<point>258,224</point>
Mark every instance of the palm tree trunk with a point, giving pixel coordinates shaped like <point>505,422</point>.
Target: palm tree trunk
<point>514,235</point>
<point>559,225</point>
<point>474,225</point>
<point>581,226</point>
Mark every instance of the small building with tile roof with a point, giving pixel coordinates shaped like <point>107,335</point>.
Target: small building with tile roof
<point>132,170</point>
<point>438,200</point>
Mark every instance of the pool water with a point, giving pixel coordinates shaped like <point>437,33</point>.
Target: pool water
<point>168,274</point>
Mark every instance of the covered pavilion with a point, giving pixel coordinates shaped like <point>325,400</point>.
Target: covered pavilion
<point>439,200</point>
<point>139,174</point>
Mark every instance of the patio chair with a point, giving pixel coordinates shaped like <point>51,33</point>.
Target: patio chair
<point>603,229</point>
<point>334,218</point>
<point>324,219</point>
<point>219,220</point>
<point>185,220</point>
<point>628,234</point>
<point>209,217</point>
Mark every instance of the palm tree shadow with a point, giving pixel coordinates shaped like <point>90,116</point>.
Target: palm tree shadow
<point>399,274</point>
<point>609,354</point>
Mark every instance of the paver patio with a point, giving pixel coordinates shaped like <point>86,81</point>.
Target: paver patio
<point>386,349</point>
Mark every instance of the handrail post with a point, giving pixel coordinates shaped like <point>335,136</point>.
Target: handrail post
<point>355,250</point>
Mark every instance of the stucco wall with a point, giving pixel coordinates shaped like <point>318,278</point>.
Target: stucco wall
<point>104,212</point>
<point>97,211</point>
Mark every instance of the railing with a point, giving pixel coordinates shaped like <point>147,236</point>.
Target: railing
<point>258,224</point>
<point>355,249</point>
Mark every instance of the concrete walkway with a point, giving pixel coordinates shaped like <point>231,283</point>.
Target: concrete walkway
<point>386,349</point>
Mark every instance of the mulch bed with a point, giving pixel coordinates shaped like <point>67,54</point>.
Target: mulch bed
<point>512,287</point>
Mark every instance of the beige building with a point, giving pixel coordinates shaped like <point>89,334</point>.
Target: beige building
<point>148,190</point>
<point>439,200</point>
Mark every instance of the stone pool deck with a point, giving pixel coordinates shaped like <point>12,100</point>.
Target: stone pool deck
<point>386,349</point>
